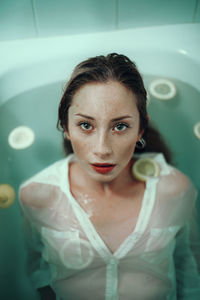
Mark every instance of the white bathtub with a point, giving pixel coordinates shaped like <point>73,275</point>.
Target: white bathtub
<point>39,68</point>
<point>166,51</point>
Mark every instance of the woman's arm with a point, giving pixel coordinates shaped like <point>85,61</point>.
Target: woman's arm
<point>187,261</point>
<point>37,268</point>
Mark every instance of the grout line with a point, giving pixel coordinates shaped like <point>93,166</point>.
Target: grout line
<point>35,19</point>
<point>117,14</point>
<point>195,11</point>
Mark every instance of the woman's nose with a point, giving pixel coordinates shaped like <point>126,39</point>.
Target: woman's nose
<point>103,147</point>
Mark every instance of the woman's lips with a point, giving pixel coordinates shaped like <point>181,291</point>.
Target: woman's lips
<point>103,168</point>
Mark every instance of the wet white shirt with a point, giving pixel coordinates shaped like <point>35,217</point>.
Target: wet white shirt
<point>158,260</point>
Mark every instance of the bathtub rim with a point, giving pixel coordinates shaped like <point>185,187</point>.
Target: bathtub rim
<point>48,54</point>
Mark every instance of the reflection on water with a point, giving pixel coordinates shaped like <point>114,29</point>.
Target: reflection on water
<point>37,109</point>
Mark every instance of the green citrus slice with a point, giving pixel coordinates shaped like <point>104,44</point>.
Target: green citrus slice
<point>145,168</point>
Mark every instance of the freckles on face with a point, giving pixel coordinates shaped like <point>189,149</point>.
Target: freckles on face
<point>103,123</point>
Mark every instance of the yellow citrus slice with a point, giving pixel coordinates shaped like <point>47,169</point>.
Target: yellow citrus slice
<point>7,195</point>
<point>145,168</point>
<point>197,130</point>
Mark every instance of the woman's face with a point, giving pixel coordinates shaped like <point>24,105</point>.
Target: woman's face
<point>103,127</point>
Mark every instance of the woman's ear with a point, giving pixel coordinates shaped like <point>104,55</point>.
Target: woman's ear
<point>67,135</point>
<point>142,131</point>
<point>66,132</point>
<point>140,135</point>
<point>148,118</point>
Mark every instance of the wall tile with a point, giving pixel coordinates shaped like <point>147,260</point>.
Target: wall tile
<point>16,19</point>
<point>66,16</point>
<point>197,13</point>
<point>136,13</point>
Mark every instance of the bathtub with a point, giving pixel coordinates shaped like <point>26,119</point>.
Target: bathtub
<point>33,73</point>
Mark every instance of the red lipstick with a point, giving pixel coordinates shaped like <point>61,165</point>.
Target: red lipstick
<point>103,168</point>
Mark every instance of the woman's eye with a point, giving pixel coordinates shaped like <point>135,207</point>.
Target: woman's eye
<point>86,126</point>
<point>121,127</point>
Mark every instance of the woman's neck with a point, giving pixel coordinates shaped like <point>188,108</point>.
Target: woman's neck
<point>116,186</point>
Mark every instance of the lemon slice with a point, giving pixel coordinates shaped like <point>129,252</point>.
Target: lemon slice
<point>145,168</point>
<point>162,89</point>
<point>197,130</point>
<point>7,195</point>
<point>21,137</point>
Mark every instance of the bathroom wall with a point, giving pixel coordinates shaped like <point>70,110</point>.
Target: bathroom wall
<point>21,19</point>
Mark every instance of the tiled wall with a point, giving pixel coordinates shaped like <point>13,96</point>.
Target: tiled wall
<point>39,18</point>
<point>152,12</point>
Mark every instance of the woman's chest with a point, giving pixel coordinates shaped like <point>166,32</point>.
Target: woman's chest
<point>114,218</point>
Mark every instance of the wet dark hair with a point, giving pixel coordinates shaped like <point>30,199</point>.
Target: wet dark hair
<point>115,67</point>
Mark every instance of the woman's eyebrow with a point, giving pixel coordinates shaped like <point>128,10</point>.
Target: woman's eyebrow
<point>84,116</point>
<point>121,118</point>
<point>113,120</point>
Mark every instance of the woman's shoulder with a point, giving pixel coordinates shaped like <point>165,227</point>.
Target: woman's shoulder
<point>177,184</point>
<point>43,187</point>
<point>50,172</point>
<point>171,180</point>
<point>38,195</point>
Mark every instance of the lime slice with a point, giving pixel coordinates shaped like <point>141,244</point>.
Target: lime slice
<point>197,130</point>
<point>145,168</point>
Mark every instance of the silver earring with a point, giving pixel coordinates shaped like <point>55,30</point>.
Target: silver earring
<point>141,144</point>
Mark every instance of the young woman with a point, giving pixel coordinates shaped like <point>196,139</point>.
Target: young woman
<point>94,230</point>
